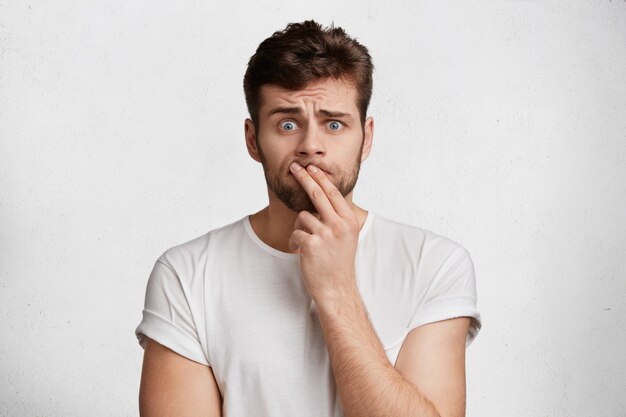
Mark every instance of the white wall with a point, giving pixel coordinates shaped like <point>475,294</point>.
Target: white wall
<point>499,124</point>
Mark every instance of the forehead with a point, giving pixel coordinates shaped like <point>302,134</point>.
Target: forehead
<point>337,94</point>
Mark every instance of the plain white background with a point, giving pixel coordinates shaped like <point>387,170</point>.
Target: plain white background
<point>500,124</point>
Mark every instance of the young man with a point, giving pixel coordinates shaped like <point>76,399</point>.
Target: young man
<point>312,306</point>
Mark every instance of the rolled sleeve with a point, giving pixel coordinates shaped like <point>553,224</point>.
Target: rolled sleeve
<point>451,294</point>
<point>167,317</point>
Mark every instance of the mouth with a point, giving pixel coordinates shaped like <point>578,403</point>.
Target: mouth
<point>325,172</point>
<point>318,167</point>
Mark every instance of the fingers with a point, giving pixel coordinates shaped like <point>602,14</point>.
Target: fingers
<point>323,193</point>
<point>308,223</point>
<point>334,196</point>
<point>298,239</point>
<point>313,189</point>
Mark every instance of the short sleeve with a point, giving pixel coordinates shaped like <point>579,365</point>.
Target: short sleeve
<point>167,317</point>
<point>451,293</point>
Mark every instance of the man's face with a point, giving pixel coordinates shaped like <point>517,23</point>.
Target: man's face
<point>318,125</point>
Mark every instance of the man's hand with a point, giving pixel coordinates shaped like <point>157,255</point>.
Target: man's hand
<point>327,245</point>
<point>368,384</point>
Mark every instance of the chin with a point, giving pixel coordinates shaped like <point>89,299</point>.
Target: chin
<point>296,200</point>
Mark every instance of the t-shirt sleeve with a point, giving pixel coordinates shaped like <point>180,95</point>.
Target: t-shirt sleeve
<point>167,315</point>
<point>451,293</point>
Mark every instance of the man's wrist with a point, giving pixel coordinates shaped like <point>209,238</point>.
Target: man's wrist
<point>335,302</point>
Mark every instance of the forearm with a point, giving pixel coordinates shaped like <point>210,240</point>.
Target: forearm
<point>368,384</point>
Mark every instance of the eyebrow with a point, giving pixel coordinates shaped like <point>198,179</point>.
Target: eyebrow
<point>298,110</point>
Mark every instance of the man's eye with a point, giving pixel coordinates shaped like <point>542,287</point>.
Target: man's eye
<point>288,125</point>
<point>334,125</point>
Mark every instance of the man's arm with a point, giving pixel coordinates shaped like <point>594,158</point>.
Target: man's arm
<point>432,357</point>
<point>172,385</point>
<point>429,378</point>
<point>368,384</point>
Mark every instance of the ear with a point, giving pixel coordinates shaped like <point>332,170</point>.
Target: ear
<point>250,133</point>
<point>368,137</point>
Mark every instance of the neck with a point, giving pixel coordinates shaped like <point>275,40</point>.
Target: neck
<point>274,224</point>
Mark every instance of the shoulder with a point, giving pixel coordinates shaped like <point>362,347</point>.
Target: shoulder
<point>188,255</point>
<point>414,239</point>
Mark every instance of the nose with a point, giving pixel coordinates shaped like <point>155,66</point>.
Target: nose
<point>311,142</point>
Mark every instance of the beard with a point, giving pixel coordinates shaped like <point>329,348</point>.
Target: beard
<point>288,190</point>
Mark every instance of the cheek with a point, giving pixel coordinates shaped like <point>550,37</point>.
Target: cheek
<point>278,163</point>
<point>277,155</point>
<point>348,155</point>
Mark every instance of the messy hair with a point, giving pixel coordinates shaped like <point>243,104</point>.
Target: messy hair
<point>305,52</point>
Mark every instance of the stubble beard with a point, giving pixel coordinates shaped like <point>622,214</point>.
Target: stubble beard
<point>291,193</point>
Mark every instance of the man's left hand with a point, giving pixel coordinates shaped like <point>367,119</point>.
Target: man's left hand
<point>327,245</point>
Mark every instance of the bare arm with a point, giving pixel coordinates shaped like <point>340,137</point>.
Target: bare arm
<point>172,385</point>
<point>433,358</point>
<point>429,378</point>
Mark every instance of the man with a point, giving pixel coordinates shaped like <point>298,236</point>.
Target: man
<point>312,306</point>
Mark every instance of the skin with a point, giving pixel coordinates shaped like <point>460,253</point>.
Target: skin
<point>172,385</point>
<point>428,378</point>
<point>312,141</point>
<point>367,382</point>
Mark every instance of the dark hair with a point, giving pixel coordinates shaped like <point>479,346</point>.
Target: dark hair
<point>305,52</point>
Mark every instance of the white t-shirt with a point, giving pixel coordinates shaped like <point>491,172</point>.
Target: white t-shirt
<point>230,301</point>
